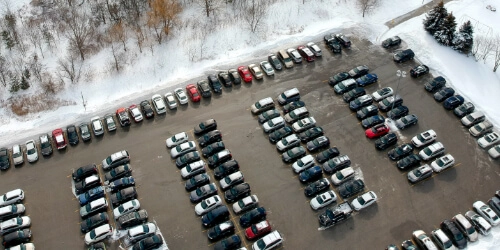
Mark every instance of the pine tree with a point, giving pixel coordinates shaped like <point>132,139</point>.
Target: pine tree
<point>464,38</point>
<point>24,83</point>
<point>14,84</point>
<point>446,32</point>
<point>435,18</point>
<point>9,42</point>
<point>26,73</point>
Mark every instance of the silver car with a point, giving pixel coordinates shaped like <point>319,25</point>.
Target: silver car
<point>17,155</point>
<point>169,98</point>
<point>31,151</point>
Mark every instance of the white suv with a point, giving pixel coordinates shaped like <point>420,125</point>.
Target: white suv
<point>97,126</point>
<point>270,241</point>
<point>98,234</point>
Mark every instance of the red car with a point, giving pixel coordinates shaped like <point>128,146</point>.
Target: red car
<point>245,73</point>
<point>257,230</point>
<point>193,93</point>
<point>377,131</point>
<point>306,53</point>
<point>58,136</point>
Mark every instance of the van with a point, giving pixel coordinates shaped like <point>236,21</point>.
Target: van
<point>465,227</point>
<point>472,119</point>
<point>288,96</point>
<point>11,211</point>
<point>285,58</point>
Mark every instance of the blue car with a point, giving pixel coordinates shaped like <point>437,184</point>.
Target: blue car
<point>453,101</point>
<point>311,174</point>
<point>367,80</point>
<point>92,194</point>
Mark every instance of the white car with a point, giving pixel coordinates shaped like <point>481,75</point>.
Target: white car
<point>140,232</point>
<point>485,211</point>
<point>159,104</point>
<point>12,197</point>
<point>364,200</point>
<point>17,155</point>
<point>169,98</point>
<point>14,224</point>
<point>303,124</point>
<point>245,204</point>
<point>183,148</point>
<point>207,205</point>
<point>488,140</point>
<point>116,159</point>
<point>232,179</point>
<point>382,93</point>
<point>98,234</point>
<point>193,169</point>
<point>303,163</point>
<point>442,163</point>
<point>262,105</point>
<point>314,49</point>
<point>31,151</point>
<point>267,68</point>
<point>423,239</point>
<point>177,139</point>
<point>181,95</point>
<point>342,176</point>
<point>323,200</point>
<point>125,208</point>
<point>494,152</point>
<point>442,240</point>
<point>424,138</point>
<point>288,142</point>
<point>431,151</point>
<point>22,246</point>
<point>93,206</point>
<point>135,113</point>
<point>97,125</point>
<point>273,124</point>
<point>296,114</point>
<point>271,241</point>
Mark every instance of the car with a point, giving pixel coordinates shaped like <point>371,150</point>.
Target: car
<point>214,83</point>
<point>133,219</point>
<point>127,207</point>
<point>4,159</point>
<point>151,242</point>
<point>342,176</point>
<point>386,141</point>
<point>366,80</point>
<point>182,149</point>
<point>268,115</point>
<point>257,230</point>
<point>267,68</point>
<point>14,224</point>
<point>109,120</point>
<point>479,223</point>
<point>159,104</point>
<point>360,102</point>
<point>234,76</point>
<point>435,84</point>
<point>213,148</point>
<point>123,195</point>
<point>318,143</point>
<point>364,200</point>
<point>345,86</point>
<point>18,155</point>
<point>367,111</point>
<point>236,192</point>
<point>93,222</point>
<point>225,79</point>
<point>400,152</point>
<point>464,109</point>
<point>296,114</point>
<point>207,205</point>
<point>408,245</point>
<point>262,105</point>
<point>473,119</point>
<point>314,49</point>
<point>421,173</point>
<point>116,159</point>
<point>91,195</point>
<point>481,128</point>
<point>372,121</point>
<point>294,55</point>
<point>210,137</point>
<point>450,228</point>
<point>391,42</point>
<point>488,140</point>
<point>118,172</point>
<point>443,93</point>
<point>390,103</point>
<point>306,53</point>
<point>344,40</point>
<point>203,192</point>
<point>86,184</point>
<point>147,109</point>
<point>197,181</point>
<point>84,131</point>
<point>292,106</point>
<point>219,158</point>
<point>398,112</point>
<point>245,204</point>
<point>408,162</point>
<point>45,145</point>
<point>453,102</point>
<point>442,240</point>
<point>231,242</point>
<point>494,152</point>
<point>93,207</point>
<point>327,154</point>
<point>303,124</point>
<point>220,231</point>
<point>273,124</point>
<point>332,43</point>
<point>316,187</point>
<point>339,77</point>
<point>253,216</point>
<point>214,216</point>
<point>323,200</point>
<point>193,169</point>
<point>382,93</point>
<point>84,171</point>
<point>442,163</point>
<point>177,139</point>
<point>122,183</point>
<point>350,188</point>
<point>279,134</point>
<point>245,74</point>
<point>431,151</point>
<point>170,100</point>
<point>73,135</point>
<point>406,121</point>
<point>465,227</point>
<point>404,56</point>
<point>293,154</point>
<point>98,234</point>
<point>289,95</point>
<point>270,241</point>
<point>204,88</point>
<point>303,164</point>
<point>231,180</point>
<point>181,96</point>
<point>353,94</point>
<point>419,70</point>
<point>123,118</point>
<point>377,131</point>
<point>226,169</point>
<point>423,240</point>
<point>486,212</point>
<point>135,113</point>
<point>140,232</point>
<point>359,71</point>
<point>193,93</point>
<point>424,138</point>
<point>17,237</point>
<point>275,62</point>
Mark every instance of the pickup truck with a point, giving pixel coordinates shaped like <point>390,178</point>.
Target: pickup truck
<point>335,214</point>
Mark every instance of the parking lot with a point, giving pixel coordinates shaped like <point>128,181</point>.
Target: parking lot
<point>401,208</point>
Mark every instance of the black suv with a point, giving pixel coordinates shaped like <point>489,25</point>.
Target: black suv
<point>133,219</point>
<point>332,43</point>
<point>435,84</point>
<point>214,83</point>
<point>204,88</point>
<point>344,40</point>
<point>404,56</point>
<point>451,230</point>
<point>84,171</point>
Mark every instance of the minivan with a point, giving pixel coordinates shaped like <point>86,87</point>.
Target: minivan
<point>288,96</point>
<point>472,119</point>
<point>465,227</point>
<point>285,58</point>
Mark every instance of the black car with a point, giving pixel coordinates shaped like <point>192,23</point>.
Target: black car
<point>453,102</point>
<point>212,148</point>
<point>93,222</point>
<point>118,172</point>
<point>72,135</point>
<point>253,216</point>
<point>367,112</point>
<point>147,109</point>
<point>84,131</point>
<point>338,78</point>
<point>214,82</point>
<point>344,40</point>
<point>279,134</point>
<point>327,154</point>
<point>353,94</point>
<point>419,70</point>
<point>234,76</point>
<point>218,214</point>
<point>87,184</point>
<point>311,134</point>
<point>4,159</point>
<point>386,141</point>
<point>293,105</point>
<point>452,231</point>
<point>219,158</point>
<point>337,163</point>
<point>202,192</point>
<point>275,62</point>
<point>197,181</point>
<point>443,93</point>
<point>122,183</point>
<point>133,219</point>
<point>406,121</point>
<point>268,115</point>
<point>209,137</point>
<point>236,192</point>
<point>404,56</point>
<point>400,151</point>
<point>205,127</point>
<point>359,71</point>
<point>204,88</point>
<point>311,174</point>
<point>229,243</point>
<point>16,237</point>
<point>435,84</point>
<point>45,145</point>
<point>372,121</point>
<point>225,80</point>
<point>293,154</point>
<point>332,43</point>
<point>316,187</point>
<point>318,143</point>
<point>408,162</point>
<point>187,158</point>
<point>391,41</point>
<point>398,112</point>
<point>123,195</point>
<point>350,188</point>
<point>220,231</point>
<point>84,171</point>
<point>226,169</point>
<point>151,242</point>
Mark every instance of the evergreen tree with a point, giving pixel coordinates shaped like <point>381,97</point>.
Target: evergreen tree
<point>14,84</point>
<point>446,32</point>
<point>464,39</point>
<point>24,83</point>
<point>26,73</point>
<point>9,42</point>
<point>435,18</point>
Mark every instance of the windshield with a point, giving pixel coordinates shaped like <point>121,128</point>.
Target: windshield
<point>427,151</point>
<point>257,105</point>
<point>339,175</point>
<point>440,162</point>
<point>31,151</point>
<point>108,160</point>
<point>188,168</point>
<point>92,234</point>
<point>17,154</point>
<point>420,137</point>
<point>204,205</point>
<point>417,172</point>
<point>361,201</point>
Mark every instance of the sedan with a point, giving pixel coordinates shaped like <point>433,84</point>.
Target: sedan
<point>170,100</point>
<point>293,154</point>
<point>219,158</point>
<point>231,242</point>
<point>386,141</point>
<point>295,55</point>
<point>443,93</point>
<point>32,151</point>
<point>488,140</point>
<point>316,187</point>
<point>193,93</point>
<point>367,80</point>
<point>196,181</point>
<point>423,240</point>
<point>203,88</point>
<point>275,62</point>
<point>359,71</point>
<point>327,154</point>
<point>151,242</point>
<point>382,93</point>
<point>337,163</point>
<point>424,138</point>
<point>338,78</point>
<point>216,215</point>
<point>398,112</point>
<point>225,79</point>
<point>93,222</point>
<point>14,224</point>
<point>318,143</point>
<point>442,163</point>
<point>205,126</point>
<point>350,188</point>
<point>257,230</point>
<point>213,148</point>
<point>256,72</point>
<point>181,95</point>
<point>214,82</point>
<point>494,152</point>
<point>203,192</point>
<point>182,149</point>
<point>303,164</point>
<point>237,192</point>
<point>91,195</point>
<point>109,120</point>
<point>407,121</point>
<point>292,106</point>
<point>377,131</point>
<point>127,207</point>
<point>118,172</point>
<point>193,169</point>
<point>253,216</point>
<point>342,176</point>
<point>408,162</point>
<point>400,151</point>
<point>303,124</point>
<point>234,76</point>
<point>487,213</point>
<point>209,137</point>
<point>147,109</point>
<point>420,173</point>
<point>372,121</point>
<point>267,68</point>
<point>226,169</point>
<point>207,205</point>
<point>419,70</point>
<point>245,204</point>
<point>360,102</point>
<point>122,183</point>
<point>4,159</point>
<point>311,174</point>
<point>177,139</point>
<point>277,135</point>
<point>18,155</point>
<point>231,180</point>
<point>245,74</point>
<point>135,113</point>
<point>323,200</point>
<point>273,124</point>
<point>140,232</point>
<point>158,103</point>
<point>268,115</point>
<point>364,200</point>
<point>220,231</point>
<point>98,234</point>
<point>311,134</point>
<point>314,49</point>
<point>93,207</point>
<point>391,41</point>
<point>353,94</point>
<point>464,109</point>
<point>73,135</point>
<point>367,112</point>
<point>86,184</point>
<point>453,102</point>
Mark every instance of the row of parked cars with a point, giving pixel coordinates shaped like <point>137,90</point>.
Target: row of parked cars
<point>14,227</point>
<point>461,229</point>
<point>203,192</point>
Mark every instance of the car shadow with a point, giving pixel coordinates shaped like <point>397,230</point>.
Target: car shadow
<point>368,212</point>
<point>448,175</point>
<point>206,101</point>
<point>424,186</point>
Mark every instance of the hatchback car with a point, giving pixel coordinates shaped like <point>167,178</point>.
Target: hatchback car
<point>364,200</point>
<point>275,62</point>
<point>245,74</point>
<point>337,163</point>
<point>135,113</point>
<point>98,234</point>
<point>170,100</point>
<point>262,105</point>
<point>193,93</point>
<point>177,139</point>
<point>204,88</point>
<point>442,163</point>
<point>85,131</point>
<point>234,76</point>
<point>294,55</point>
<point>147,109</point>
<point>296,114</point>
<point>87,184</point>
<point>267,68</point>
<point>214,83</point>
<point>421,173</point>
<point>219,158</point>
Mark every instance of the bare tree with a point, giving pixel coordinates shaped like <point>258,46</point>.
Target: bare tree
<point>118,33</point>
<point>81,31</point>
<point>254,12</point>
<point>476,46</point>
<point>366,6</point>
<point>210,6</point>
<point>162,16</point>
<point>487,48</point>
<point>4,71</point>
<point>496,62</point>
<point>139,37</point>
<point>69,68</point>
